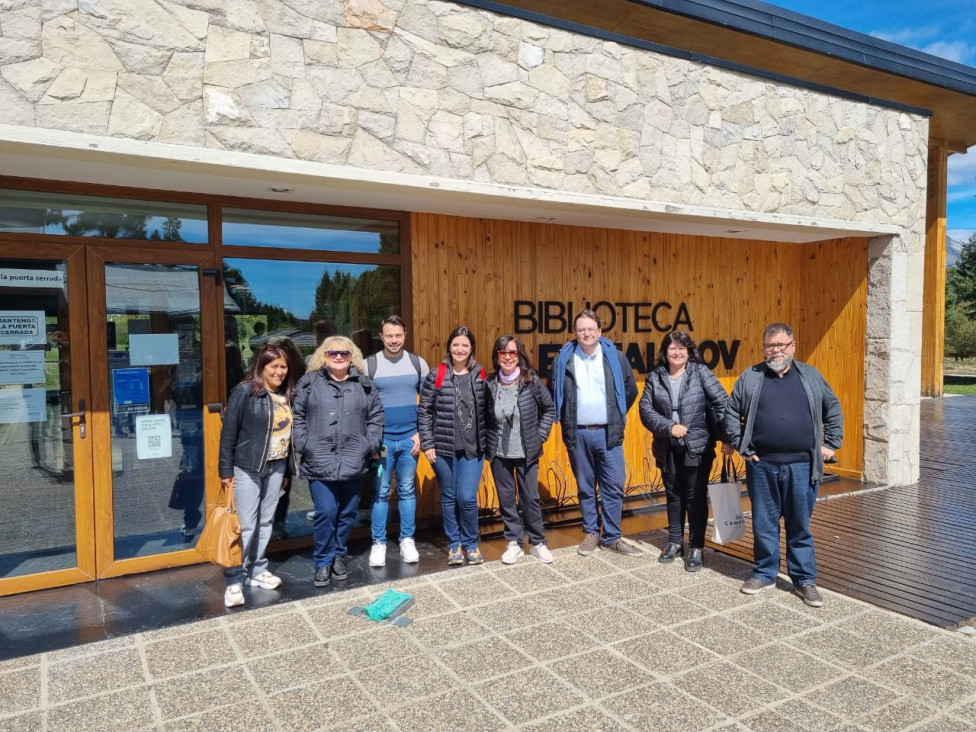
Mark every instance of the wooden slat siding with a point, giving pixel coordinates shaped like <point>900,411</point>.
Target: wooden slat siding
<point>910,549</point>
<point>470,271</point>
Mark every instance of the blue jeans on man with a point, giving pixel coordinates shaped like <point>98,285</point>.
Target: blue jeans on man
<point>775,490</point>
<point>399,461</point>
<point>458,478</point>
<point>594,464</point>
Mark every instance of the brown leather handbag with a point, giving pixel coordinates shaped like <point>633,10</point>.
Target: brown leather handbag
<point>220,541</point>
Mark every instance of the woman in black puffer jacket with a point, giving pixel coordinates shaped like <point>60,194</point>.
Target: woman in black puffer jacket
<point>451,423</point>
<point>678,394</point>
<point>338,431</point>
<point>519,413</point>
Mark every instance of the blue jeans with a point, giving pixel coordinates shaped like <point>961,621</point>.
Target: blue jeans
<point>399,461</point>
<point>335,503</point>
<point>458,479</point>
<point>785,490</point>
<point>594,464</point>
<point>256,497</point>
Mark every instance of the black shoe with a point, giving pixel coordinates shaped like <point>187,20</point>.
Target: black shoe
<point>339,568</point>
<point>694,562</point>
<point>671,551</point>
<point>322,577</point>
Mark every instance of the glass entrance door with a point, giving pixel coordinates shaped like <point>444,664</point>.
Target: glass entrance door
<point>153,376</point>
<point>107,369</point>
<point>46,509</point>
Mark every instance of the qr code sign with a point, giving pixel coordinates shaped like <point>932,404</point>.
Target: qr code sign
<point>155,442</point>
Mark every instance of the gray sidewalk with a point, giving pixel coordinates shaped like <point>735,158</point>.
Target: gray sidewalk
<point>598,643</point>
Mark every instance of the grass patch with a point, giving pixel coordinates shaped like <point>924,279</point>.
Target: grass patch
<point>959,388</point>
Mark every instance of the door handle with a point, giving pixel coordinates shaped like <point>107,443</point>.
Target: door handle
<point>80,414</point>
<point>215,407</point>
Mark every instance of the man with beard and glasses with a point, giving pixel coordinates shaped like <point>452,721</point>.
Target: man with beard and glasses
<point>785,421</point>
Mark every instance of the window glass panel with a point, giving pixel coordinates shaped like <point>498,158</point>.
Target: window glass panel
<point>301,302</point>
<point>37,490</point>
<point>61,214</point>
<point>309,231</point>
<point>155,382</point>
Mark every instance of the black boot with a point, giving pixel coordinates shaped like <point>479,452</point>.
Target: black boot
<point>694,561</point>
<point>671,551</point>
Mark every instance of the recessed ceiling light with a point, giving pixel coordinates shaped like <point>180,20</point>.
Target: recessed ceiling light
<point>546,218</point>
<point>734,231</point>
<point>280,189</point>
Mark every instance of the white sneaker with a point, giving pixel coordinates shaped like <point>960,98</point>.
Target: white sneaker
<point>541,552</point>
<point>233,596</point>
<point>408,550</point>
<point>310,516</point>
<point>265,580</point>
<point>512,552</point>
<point>377,555</point>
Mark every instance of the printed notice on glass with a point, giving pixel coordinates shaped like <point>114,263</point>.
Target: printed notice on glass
<point>130,391</point>
<point>22,367</point>
<point>22,327</point>
<point>154,349</point>
<point>31,278</point>
<point>154,436</point>
<point>22,405</point>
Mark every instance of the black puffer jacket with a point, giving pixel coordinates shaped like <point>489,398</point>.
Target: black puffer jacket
<point>536,415</point>
<point>245,435</point>
<point>698,386</point>
<point>338,425</point>
<point>435,414</point>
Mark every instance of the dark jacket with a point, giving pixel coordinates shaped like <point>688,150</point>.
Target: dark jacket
<point>615,420</point>
<point>699,389</point>
<point>338,425</point>
<point>536,415</point>
<point>245,435</point>
<point>435,414</point>
<point>828,419</point>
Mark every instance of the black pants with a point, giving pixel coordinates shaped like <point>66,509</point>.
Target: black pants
<point>506,472</point>
<point>686,488</point>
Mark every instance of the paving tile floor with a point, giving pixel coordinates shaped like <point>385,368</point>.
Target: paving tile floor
<point>604,642</point>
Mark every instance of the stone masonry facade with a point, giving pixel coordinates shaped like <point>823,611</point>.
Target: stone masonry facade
<point>441,89</point>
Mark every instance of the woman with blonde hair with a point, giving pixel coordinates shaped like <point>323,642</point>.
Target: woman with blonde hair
<point>338,431</point>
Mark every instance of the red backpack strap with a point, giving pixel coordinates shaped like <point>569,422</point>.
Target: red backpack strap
<point>482,374</point>
<point>441,373</point>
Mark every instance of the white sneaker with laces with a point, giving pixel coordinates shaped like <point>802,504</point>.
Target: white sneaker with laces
<point>233,596</point>
<point>377,555</point>
<point>512,552</point>
<point>265,580</point>
<point>408,551</point>
<point>541,552</point>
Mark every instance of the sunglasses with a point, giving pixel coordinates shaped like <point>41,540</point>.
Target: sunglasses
<point>338,354</point>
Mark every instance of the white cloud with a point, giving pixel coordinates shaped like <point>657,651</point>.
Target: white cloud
<point>958,51</point>
<point>962,169</point>
<point>912,36</point>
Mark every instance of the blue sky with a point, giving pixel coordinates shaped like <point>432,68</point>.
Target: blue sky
<point>945,28</point>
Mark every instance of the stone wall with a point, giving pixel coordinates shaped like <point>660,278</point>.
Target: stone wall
<point>440,89</point>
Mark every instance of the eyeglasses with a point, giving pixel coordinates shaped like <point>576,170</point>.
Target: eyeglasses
<point>509,354</point>
<point>777,346</point>
<point>338,354</point>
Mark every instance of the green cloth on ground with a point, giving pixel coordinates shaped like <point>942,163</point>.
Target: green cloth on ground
<point>386,605</point>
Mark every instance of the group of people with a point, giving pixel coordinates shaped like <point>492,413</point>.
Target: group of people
<point>349,417</point>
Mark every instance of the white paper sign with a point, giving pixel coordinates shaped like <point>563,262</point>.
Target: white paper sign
<point>21,367</point>
<point>31,278</point>
<point>22,327</point>
<point>154,350</point>
<point>22,405</point>
<point>154,436</point>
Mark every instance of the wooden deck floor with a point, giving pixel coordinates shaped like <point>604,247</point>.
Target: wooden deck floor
<point>910,549</point>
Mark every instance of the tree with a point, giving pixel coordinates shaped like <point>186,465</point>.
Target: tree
<point>961,279</point>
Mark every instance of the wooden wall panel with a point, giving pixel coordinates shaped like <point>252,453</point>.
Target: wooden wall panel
<point>471,272</point>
